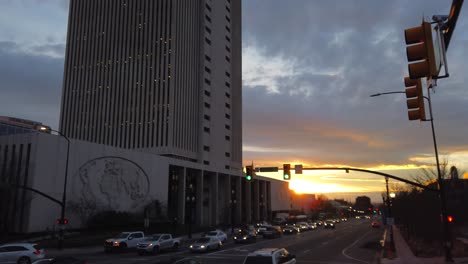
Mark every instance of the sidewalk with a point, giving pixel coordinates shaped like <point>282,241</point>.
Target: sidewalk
<point>404,255</point>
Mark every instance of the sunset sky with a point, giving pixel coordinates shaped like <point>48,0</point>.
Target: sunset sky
<point>308,70</point>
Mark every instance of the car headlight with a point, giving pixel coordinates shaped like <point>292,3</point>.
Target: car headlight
<point>202,246</point>
<point>150,245</point>
<point>191,246</point>
<point>235,237</point>
<point>116,243</point>
<point>244,238</point>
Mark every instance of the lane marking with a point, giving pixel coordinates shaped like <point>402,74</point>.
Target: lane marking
<point>307,250</point>
<point>343,252</point>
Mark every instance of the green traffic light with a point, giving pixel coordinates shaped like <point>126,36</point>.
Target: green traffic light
<point>286,176</point>
<point>248,177</point>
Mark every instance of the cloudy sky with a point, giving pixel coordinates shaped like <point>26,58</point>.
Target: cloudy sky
<point>309,67</point>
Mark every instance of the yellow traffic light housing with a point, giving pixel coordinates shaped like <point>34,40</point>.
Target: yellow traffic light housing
<point>249,173</point>
<point>420,53</point>
<point>286,172</point>
<point>415,99</point>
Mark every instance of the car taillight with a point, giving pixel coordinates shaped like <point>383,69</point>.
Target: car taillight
<point>37,252</point>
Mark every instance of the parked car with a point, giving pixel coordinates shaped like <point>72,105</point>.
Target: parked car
<point>205,244</point>
<point>262,229</point>
<point>272,232</point>
<point>124,240</point>
<point>61,260</point>
<point>21,253</point>
<point>157,242</point>
<point>245,236</point>
<point>329,224</point>
<point>218,234</point>
<point>270,256</point>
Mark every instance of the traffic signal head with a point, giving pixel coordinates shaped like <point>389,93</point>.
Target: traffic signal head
<point>248,173</point>
<point>287,172</point>
<point>449,218</point>
<point>415,99</point>
<point>420,52</point>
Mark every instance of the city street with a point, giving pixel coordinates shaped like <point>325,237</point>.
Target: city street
<point>354,241</point>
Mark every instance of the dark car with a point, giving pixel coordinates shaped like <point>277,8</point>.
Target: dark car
<point>290,230</point>
<point>329,224</point>
<point>244,236</point>
<point>272,232</point>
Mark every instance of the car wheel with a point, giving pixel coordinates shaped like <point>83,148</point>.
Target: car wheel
<point>175,246</point>
<point>24,260</point>
<point>123,246</point>
<point>155,250</point>
<point>219,246</point>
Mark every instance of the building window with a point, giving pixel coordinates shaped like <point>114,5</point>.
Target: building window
<point>228,38</point>
<point>208,70</point>
<point>206,162</point>
<point>228,74</point>
<point>207,58</point>
<point>208,7</point>
<point>227,116</point>
<point>206,148</point>
<point>228,105</point>
<point>207,81</point>
<point>227,84</point>
<point>228,95</point>
<point>228,29</point>
<point>228,127</point>
<point>227,59</point>
<point>207,105</point>
<point>207,93</point>
<point>228,138</point>
<point>227,167</point>
<point>207,29</point>
<point>227,154</point>
<point>208,41</point>
<point>228,19</point>
<point>228,9</point>
<point>206,129</point>
<point>207,18</point>
<point>207,117</point>
<point>228,49</point>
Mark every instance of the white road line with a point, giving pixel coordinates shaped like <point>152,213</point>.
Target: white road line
<point>307,250</point>
<point>348,247</point>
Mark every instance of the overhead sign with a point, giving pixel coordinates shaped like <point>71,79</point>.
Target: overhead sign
<point>298,169</point>
<point>267,169</point>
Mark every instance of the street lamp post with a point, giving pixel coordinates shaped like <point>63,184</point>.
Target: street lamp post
<point>233,202</point>
<point>190,199</point>
<point>443,203</point>
<point>64,194</point>
<point>389,208</point>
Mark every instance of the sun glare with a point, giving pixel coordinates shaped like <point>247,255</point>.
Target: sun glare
<point>304,186</point>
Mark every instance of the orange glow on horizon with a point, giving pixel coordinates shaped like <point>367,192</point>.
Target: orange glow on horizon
<point>305,186</point>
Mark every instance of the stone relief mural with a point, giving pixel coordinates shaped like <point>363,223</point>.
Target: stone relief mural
<point>110,183</point>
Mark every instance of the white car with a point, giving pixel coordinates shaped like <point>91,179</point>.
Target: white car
<point>21,253</point>
<point>270,256</point>
<point>124,240</point>
<point>218,234</point>
<point>205,244</point>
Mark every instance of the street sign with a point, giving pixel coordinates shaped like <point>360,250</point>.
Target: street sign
<point>298,169</point>
<point>267,169</point>
<point>390,221</point>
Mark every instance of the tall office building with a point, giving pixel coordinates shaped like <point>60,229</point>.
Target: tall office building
<point>162,76</point>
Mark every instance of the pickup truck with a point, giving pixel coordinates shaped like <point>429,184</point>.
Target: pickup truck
<point>157,242</point>
<point>123,241</point>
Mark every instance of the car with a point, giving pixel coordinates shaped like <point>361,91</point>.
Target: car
<point>61,260</point>
<point>262,229</point>
<point>272,232</point>
<point>21,253</point>
<point>205,244</point>
<point>124,240</point>
<point>290,230</point>
<point>157,242</point>
<point>375,224</point>
<point>220,235</point>
<point>245,236</point>
<point>270,256</point>
<point>329,224</point>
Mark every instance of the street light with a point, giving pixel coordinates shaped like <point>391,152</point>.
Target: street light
<point>443,203</point>
<point>64,195</point>
<point>233,202</point>
<point>190,202</point>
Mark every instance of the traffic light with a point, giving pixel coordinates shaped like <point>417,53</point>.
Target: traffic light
<point>415,99</point>
<point>287,172</point>
<point>449,218</point>
<point>248,173</point>
<point>420,52</point>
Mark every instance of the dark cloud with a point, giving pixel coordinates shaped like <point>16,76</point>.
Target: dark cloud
<point>30,84</point>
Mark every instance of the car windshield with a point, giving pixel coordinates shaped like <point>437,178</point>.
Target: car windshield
<point>212,233</point>
<point>153,238</point>
<point>122,235</point>
<point>203,240</point>
<point>258,260</point>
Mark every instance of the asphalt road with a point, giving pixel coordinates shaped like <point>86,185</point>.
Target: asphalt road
<point>350,242</point>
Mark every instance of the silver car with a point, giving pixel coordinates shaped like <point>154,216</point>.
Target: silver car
<point>205,244</point>
<point>21,253</point>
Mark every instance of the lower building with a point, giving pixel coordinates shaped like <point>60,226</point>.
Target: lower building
<point>34,165</point>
